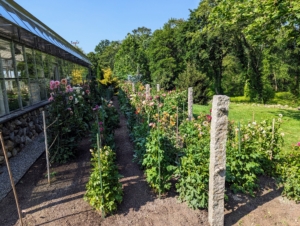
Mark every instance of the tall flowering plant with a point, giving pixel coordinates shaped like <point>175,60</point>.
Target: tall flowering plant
<point>70,114</point>
<point>289,170</point>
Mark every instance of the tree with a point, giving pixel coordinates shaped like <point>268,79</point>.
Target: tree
<point>165,62</point>
<point>258,26</point>
<point>191,77</point>
<point>107,56</point>
<point>131,57</point>
<point>103,44</point>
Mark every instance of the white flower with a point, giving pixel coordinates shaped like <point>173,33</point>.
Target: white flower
<point>76,101</point>
<point>205,123</point>
<point>280,115</point>
<point>82,93</point>
<point>282,134</point>
<point>254,123</point>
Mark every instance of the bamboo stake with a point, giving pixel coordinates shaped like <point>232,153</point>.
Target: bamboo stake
<point>177,128</point>
<point>273,131</point>
<point>46,147</point>
<point>239,137</point>
<point>159,173</point>
<point>100,172</point>
<point>11,178</point>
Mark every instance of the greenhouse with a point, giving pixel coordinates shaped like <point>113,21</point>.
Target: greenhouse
<point>32,54</point>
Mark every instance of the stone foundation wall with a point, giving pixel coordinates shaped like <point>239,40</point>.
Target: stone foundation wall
<point>20,131</point>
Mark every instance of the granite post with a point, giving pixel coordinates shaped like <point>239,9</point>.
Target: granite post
<point>217,164</point>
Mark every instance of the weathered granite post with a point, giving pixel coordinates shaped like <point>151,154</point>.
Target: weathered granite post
<point>133,87</point>
<point>217,166</point>
<point>190,103</point>
<point>157,87</point>
<point>147,91</point>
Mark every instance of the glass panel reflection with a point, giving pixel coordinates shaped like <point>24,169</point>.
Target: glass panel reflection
<point>12,94</point>
<point>39,64</point>
<point>24,92</point>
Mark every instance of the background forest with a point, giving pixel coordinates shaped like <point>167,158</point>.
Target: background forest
<point>249,50</point>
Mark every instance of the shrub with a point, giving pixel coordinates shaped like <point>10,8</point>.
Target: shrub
<point>70,114</point>
<point>193,171</point>
<point>240,99</point>
<point>289,169</point>
<point>104,191</point>
<point>285,98</point>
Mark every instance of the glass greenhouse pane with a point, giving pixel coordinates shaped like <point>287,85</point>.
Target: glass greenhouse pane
<point>2,98</point>
<point>20,63</point>
<point>17,20</point>
<point>31,28</point>
<point>25,96</point>
<point>30,63</point>
<point>39,64</point>
<point>5,14</point>
<point>12,94</point>
<point>47,61</point>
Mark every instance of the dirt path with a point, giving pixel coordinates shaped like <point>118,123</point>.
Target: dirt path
<point>62,203</point>
<point>140,206</point>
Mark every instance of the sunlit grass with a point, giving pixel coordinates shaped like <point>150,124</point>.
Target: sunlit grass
<point>245,113</point>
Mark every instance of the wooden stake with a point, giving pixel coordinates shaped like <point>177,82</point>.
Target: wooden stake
<point>11,178</point>
<point>273,131</point>
<point>177,142</point>
<point>190,103</point>
<point>46,147</point>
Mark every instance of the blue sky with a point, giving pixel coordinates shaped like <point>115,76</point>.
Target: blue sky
<point>91,21</point>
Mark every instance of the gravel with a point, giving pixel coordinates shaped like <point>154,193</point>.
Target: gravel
<point>20,164</point>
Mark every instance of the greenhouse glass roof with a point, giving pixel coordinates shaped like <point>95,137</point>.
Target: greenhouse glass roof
<point>19,25</point>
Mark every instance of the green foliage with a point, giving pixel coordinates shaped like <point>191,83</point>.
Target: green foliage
<point>106,120</point>
<point>247,90</point>
<point>70,114</point>
<point>106,197</point>
<point>241,99</point>
<point>252,150</point>
<point>289,169</point>
<point>131,58</point>
<point>163,52</point>
<point>191,77</point>
<point>159,161</point>
<point>193,172</point>
<point>285,98</point>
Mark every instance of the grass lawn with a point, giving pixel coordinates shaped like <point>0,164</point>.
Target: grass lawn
<point>244,113</point>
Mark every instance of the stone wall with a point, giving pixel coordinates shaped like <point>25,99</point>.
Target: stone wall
<point>21,130</point>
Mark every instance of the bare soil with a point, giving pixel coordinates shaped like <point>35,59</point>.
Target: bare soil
<point>61,203</point>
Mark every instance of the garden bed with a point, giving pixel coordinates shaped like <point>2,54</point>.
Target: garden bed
<point>62,203</point>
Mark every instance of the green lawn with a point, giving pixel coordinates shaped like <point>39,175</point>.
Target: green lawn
<point>244,113</point>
